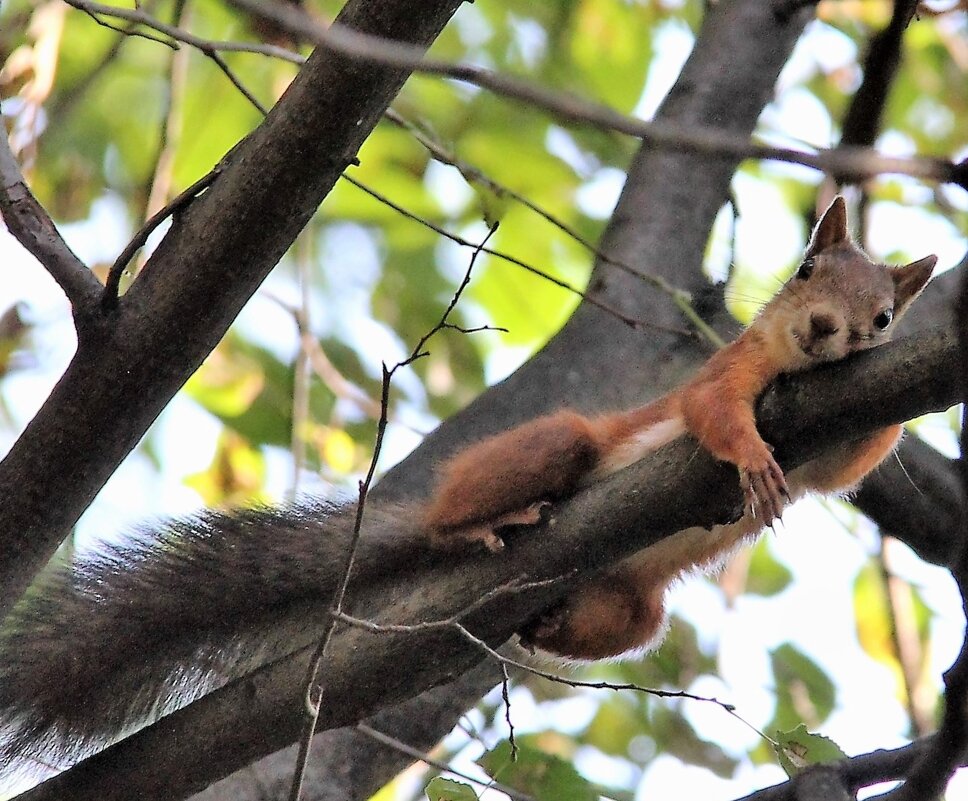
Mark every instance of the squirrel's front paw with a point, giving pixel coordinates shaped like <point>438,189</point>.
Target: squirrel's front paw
<point>764,488</point>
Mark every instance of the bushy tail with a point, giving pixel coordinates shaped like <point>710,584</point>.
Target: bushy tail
<point>143,627</point>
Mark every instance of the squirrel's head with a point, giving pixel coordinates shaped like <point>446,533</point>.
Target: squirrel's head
<point>839,301</point>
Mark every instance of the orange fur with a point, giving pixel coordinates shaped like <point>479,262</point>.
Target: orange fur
<point>542,460</point>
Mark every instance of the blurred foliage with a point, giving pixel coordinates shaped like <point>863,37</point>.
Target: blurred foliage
<point>533,769</point>
<point>87,107</point>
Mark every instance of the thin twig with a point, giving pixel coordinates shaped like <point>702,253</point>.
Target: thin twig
<point>506,697</point>
<point>866,161</point>
<point>631,322</point>
<point>857,163</point>
<point>315,689</point>
<point>455,624</point>
<point>129,31</point>
<point>140,17</point>
<point>109,298</point>
<point>236,81</point>
<point>33,228</point>
<point>473,174</point>
<point>516,586</point>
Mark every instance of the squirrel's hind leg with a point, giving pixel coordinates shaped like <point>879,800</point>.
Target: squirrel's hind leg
<point>508,479</point>
<point>608,616</point>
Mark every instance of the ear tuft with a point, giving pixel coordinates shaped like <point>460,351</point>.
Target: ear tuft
<point>910,279</point>
<point>831,229</point>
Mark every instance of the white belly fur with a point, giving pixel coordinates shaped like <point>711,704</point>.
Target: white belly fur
<point>639,445</point>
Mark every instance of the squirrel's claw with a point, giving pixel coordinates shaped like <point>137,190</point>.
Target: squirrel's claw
<point>765,490</point>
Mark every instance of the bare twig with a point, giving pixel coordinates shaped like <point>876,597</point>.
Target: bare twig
<point>474,174</point>
<point>27,220</point>
<point>705,140</point>
<point>506,697</point>
<point>109,297</point>
<point>129,30</point>
<point>315,689</point>
<point>454,622</point>
<point>856,163</point>
<point>236,81</point>
<point>138,16</point>
<point>631,322</point>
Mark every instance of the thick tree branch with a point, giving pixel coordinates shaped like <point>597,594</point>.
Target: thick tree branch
<point>677,487</point>
<point>915,497</point>
<point>863,118</point>
<point>130,361</point>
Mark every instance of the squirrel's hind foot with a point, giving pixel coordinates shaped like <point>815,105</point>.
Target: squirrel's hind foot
<point>487,533</point>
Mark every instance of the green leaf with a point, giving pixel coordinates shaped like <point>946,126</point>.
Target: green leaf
<point>799,748</point>
<point>448,790</point>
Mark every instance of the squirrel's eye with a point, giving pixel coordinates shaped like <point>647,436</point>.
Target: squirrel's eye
<point>883,320</point>
<point>805,269</point>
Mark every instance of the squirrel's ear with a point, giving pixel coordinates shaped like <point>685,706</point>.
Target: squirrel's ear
<point>831,229</point>
<point>909,280</point>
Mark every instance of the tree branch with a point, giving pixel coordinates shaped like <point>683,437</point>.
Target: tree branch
<point>673,489</point>
<point>27,220</point>
<point>863,118</point>
<point>850,163</point>
<point>932,771</point>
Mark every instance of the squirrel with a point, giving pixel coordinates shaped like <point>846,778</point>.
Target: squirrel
<point>836,303</point>
<point>142,627</point>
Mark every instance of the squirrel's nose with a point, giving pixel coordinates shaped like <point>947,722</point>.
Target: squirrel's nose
<point>823,325</point>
